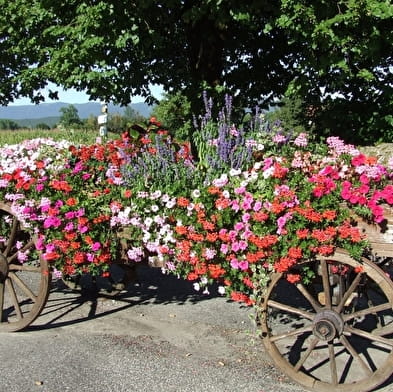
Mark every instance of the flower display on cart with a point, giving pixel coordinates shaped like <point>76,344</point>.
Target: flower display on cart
<point>256,200</point>
<point>283,210</point>
<point>300,228</point>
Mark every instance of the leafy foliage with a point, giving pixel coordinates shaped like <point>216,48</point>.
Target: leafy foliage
<point>344,70</point>
<point>8,124</point>
<point>290,113</point>
<point>333,55</point>
<point>42,126</point>
<point>117,123</point>
<point>174,111</point>
<point>70,117</point>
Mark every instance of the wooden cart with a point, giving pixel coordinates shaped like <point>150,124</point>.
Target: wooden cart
<point>334,333</point>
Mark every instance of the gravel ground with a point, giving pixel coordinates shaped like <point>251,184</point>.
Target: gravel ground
<point>159,335</point>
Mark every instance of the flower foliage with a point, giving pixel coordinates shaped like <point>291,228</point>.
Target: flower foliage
<point>285,209</point>
<point>257,201</point>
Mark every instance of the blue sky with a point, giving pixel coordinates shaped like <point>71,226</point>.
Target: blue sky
<point>73,96</point>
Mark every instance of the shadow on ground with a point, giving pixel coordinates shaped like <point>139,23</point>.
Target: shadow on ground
<point>151,286</point>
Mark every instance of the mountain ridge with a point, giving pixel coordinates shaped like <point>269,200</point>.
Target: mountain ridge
<point>52,109</point>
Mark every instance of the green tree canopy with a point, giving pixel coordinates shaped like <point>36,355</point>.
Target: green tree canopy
<point>42,126</point>
<point>330,54</point>
<point>174,112</point>
<point>69,117</point>
<point>119,122</point>
<point>8,124</point>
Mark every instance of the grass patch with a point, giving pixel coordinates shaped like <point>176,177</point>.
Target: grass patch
<point>77,136</point>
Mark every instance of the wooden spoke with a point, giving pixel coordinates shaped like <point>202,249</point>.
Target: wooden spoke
<point>295,332</point>
<point>12,236</point>
<point>326,284</point>
<point>291,309</point>
<point>29,245</point>
<point>25,267</point>
<point>364,312</point>
<point>306,354</point>
<point>315,304</point>
<point>348,293</point>
<point>333,367</point>
<point>14,298</point>
<point>15,278</point>
<point>1,300</point>
<point>369,336</point>
<point>355,355</point>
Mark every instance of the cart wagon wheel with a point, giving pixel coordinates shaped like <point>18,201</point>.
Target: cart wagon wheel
<point>24,275</point>
<point>334,333</point>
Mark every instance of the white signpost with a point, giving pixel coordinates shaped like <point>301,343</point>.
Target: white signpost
<point>102,120</point>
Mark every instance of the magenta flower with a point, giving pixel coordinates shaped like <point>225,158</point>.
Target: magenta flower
<point>301,140</point>
<point>22,256</point>
<point>70,214</point>
<point>235,263</point>
<point>243,245</point>
<point>243,265</point>
<point>246,217</point>
<point>52,221</point>
<point>235,246</point>
<point>232,235</point>
<point>240,190</point>
<point>80,212</point>
<point>224,248</point>
<point>59,203</point>
<point>83,228</point>
<point>77,168</point>
<point>235,205</point>
<point>96,246</point>
<point>268,162</point>
<point>69,226</point>
<point>49,248</point>
<point>39,244</point>
<point>239,226</point>
<point>281,222</point>
<point>246,204</point>
<point>257,205</point>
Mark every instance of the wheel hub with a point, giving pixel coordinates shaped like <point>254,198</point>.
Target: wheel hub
<point>327,325</point>
<point>3,268</point>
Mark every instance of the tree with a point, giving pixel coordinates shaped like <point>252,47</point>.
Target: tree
<point>132,116</point>
<point>91,123</point>
<point>118,122</point>
<point>256,50</point>
<point>290,113</point>
<point>42,126</point>
<point>8,124</point>
<point>69,117</point>
<point>174,112</point>
<point>116,49</point>
<point>344,70</point>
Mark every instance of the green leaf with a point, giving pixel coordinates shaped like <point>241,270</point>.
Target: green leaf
<point>366,74</point>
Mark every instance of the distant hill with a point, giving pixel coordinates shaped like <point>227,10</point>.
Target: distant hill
<point>49,113</point>
<point>33,122</point>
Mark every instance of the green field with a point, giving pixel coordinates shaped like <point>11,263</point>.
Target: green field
<point>77,136</point>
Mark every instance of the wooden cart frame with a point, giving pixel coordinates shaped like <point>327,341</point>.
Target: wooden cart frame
<point>333,333</point>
